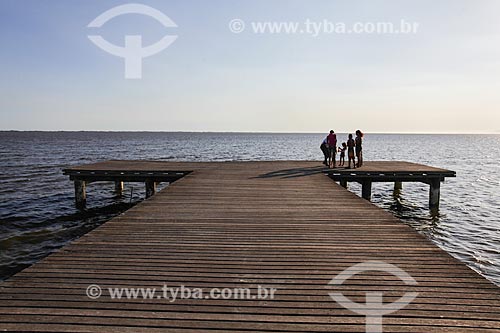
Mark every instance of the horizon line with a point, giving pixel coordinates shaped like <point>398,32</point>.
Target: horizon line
<point>248,132</point>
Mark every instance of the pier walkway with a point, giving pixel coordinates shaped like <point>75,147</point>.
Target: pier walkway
<point>283,225</point>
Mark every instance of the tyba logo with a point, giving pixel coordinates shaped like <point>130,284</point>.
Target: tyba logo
<point>374,308</point>
<point>132,52</point>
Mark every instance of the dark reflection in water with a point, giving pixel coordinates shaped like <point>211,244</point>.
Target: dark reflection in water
<point>20,249</point>
<point>37,214</point>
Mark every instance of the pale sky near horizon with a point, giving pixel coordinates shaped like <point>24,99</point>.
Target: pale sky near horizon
<point>443,79</point>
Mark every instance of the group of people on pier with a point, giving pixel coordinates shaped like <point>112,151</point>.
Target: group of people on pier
<point>353,146</point>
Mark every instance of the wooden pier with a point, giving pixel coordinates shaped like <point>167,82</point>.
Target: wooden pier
<point>285,225</point>
<point>150,173</point>
<point>393,171</point>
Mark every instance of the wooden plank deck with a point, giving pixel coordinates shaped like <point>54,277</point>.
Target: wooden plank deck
<point>390,171</point>
<point>395,167</point>
<point>243,224</point>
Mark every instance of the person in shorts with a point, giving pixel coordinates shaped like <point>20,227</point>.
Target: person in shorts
<point>332,147</point>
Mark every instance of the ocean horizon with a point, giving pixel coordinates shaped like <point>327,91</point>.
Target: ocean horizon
<point>249,132</point>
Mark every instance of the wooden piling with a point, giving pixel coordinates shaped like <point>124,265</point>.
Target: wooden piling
<point>434,193</point>
<point>150,188</point>
<point>119,188</point>
<point>343,183</point>
<point>366,190</point>
<point>398,186</point>
<point>80,194</point>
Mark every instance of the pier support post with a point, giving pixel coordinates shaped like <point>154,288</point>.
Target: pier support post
<point>150,188</point>
<point>119,188</point>
<point>434,193</point>
<point>398,186</point>
<point>343,183</point>
<point>366,189</point>
<point>80,194</point>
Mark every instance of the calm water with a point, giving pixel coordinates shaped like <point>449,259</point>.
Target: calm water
<point>37,214</point>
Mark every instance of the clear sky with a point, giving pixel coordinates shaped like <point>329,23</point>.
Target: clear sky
<point>445,78</point>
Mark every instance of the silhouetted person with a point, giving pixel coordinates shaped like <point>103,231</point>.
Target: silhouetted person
<point>324,149</point>
<point>342,154</point>
<point>350,152</point>
<point>359,147</point>
<point>332,147</point>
